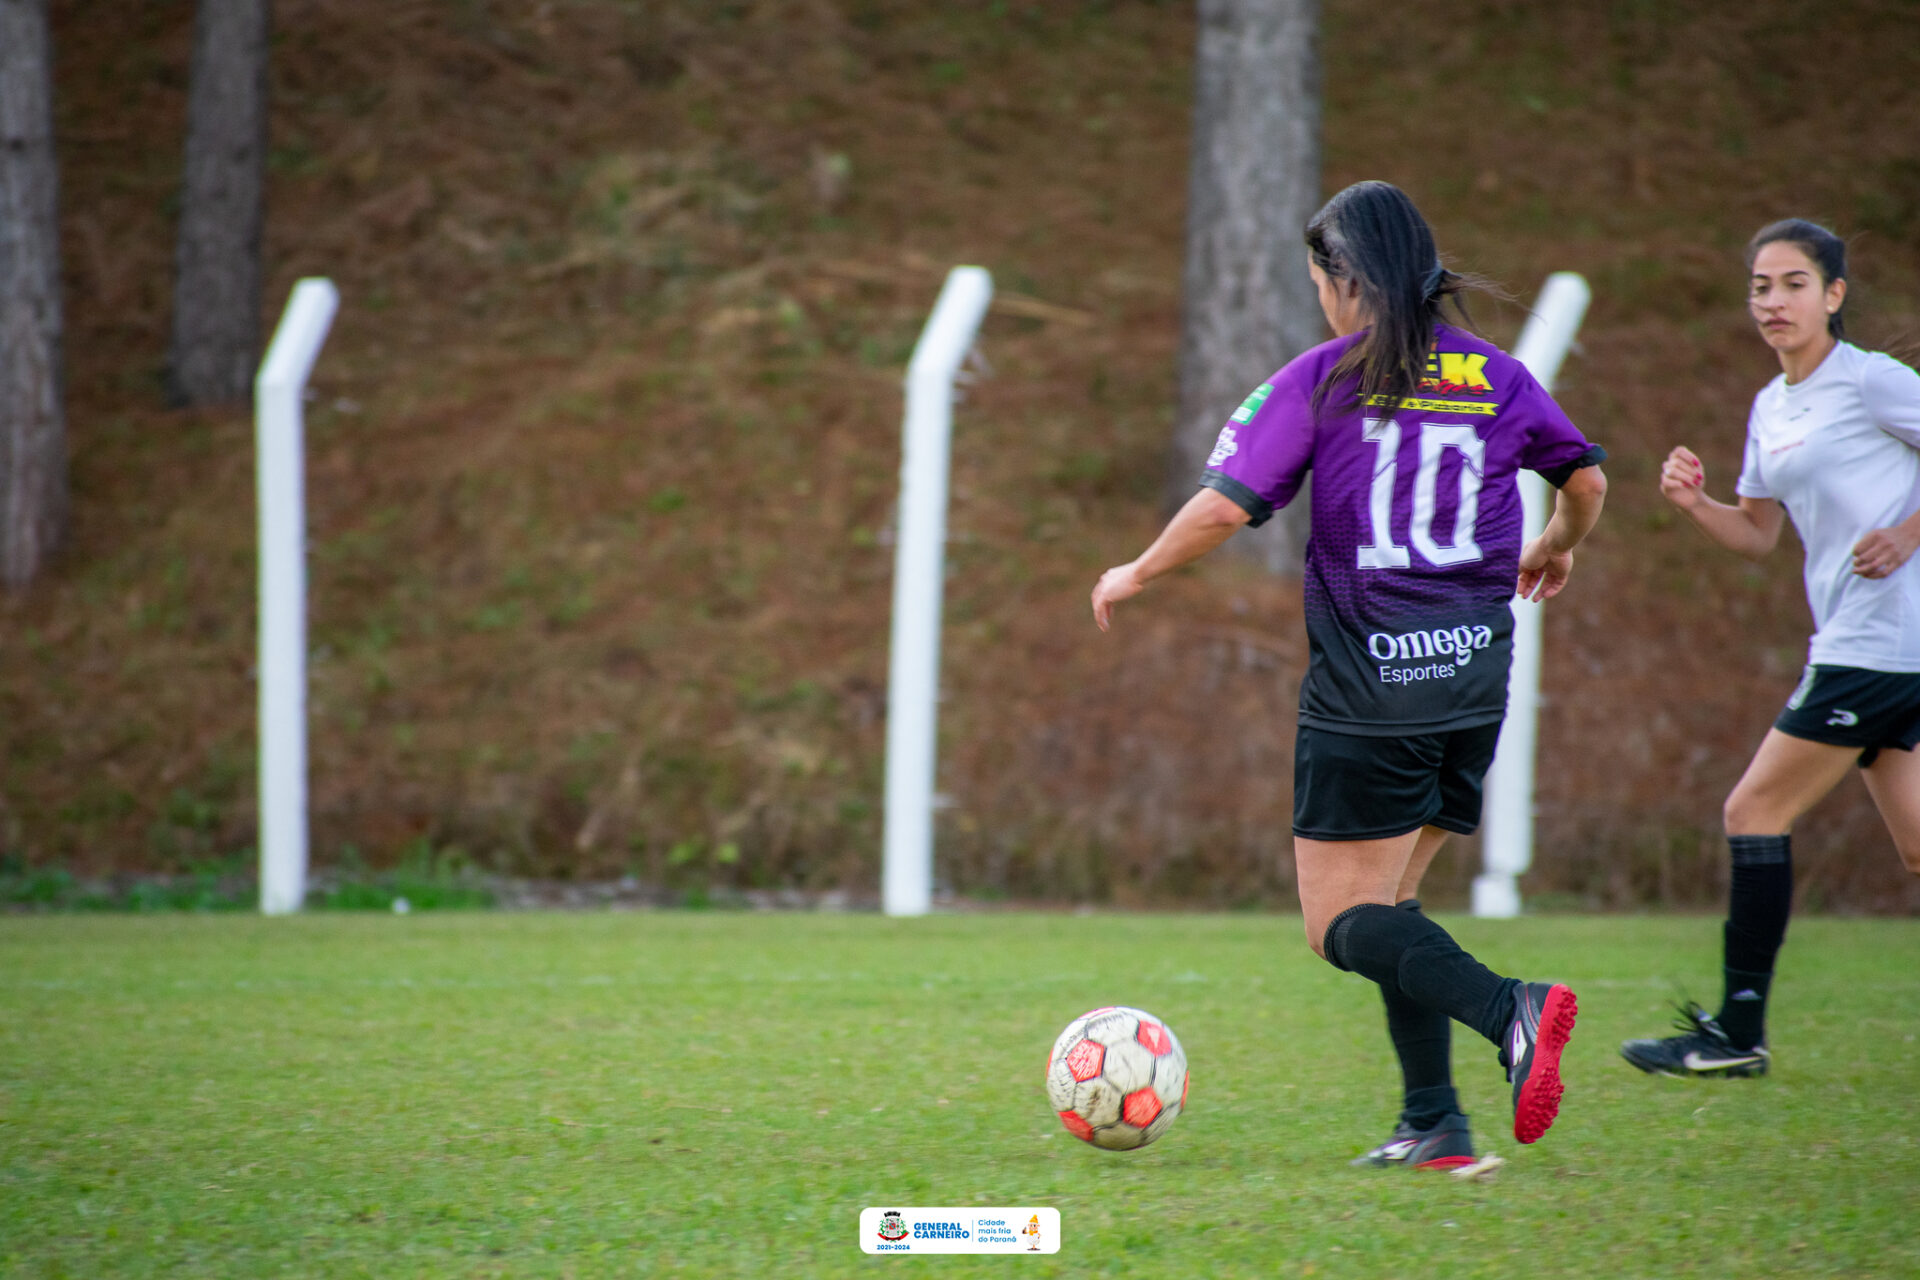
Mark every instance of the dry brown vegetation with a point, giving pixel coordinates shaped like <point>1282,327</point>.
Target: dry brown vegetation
<point>604,444</point>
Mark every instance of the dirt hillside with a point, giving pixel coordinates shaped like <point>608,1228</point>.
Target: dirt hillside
<point>604,446</point>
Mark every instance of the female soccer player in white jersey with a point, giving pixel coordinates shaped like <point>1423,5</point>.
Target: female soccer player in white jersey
<point>1834,443</point>
<point>1414,431</point>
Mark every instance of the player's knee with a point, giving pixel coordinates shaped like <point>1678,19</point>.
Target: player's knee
<point>1731,812</point>
<point>1317,937</point>
<point>1910,852</point>
<point>1747,814</point>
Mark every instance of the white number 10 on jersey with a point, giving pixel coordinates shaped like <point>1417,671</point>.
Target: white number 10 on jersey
<point>1435,439</point>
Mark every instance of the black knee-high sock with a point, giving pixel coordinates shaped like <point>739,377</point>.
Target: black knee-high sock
<point>1409,951</point>
<point>1423,1040</point>
<point>1757,912</point>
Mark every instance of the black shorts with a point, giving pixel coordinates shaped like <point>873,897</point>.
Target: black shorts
<point>1854,707</point>
<point>1347,787</point>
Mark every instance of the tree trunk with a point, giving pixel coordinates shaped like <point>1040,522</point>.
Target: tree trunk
<point>33,438</point>
<point>1254,180</point>
<point>216,297</point>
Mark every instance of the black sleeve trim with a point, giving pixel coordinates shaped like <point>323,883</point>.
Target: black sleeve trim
<point>1258,509</point>
<point>1558,476</point>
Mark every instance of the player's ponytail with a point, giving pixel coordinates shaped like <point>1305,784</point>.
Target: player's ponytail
<point>1826,250</point>
<point>1373,235</point>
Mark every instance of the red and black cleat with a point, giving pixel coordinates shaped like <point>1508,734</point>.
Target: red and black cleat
<point>1447,1145</point>
<point>1542,1025</point>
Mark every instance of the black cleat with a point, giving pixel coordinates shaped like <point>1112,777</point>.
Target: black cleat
<point>1542,1024</point>
<point>1448,1145</point>
<point>1702,1049</point>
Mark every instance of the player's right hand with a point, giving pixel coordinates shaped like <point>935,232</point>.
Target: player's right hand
<point>1122,582</point>
<point>1683,479</point>
<point>1543,571</point>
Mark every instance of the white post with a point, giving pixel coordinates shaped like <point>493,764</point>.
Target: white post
<point>278,452</point>
<point>1507,844</point>
<point>919,573</point>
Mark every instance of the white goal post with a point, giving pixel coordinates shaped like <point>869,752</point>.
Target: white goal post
<point>1507,836</point>
<point>919,577</point>
<point>281,493</point>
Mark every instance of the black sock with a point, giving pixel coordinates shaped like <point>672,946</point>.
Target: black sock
<point>1406,950</point>
<point>1743,1010</point>
<point>1423,1040</point>
<point>1757,911</point>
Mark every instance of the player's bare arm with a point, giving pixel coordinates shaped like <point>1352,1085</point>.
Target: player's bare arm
<point>1751,529</point>
<point>1547,562</point>
<point>1208,519</point>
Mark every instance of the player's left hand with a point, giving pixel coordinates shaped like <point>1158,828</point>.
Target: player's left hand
<point>1884,550</point>
<point>1543,573</point>
<point>1116,584</point>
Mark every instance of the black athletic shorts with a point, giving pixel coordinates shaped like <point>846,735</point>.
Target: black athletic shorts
<point>1854,707</point>
<point>1347,787</point>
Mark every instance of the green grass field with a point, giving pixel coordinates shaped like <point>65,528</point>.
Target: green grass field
<point>690,1094</point>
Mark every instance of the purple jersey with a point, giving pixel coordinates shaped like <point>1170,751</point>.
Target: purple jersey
<point>1416,527</point>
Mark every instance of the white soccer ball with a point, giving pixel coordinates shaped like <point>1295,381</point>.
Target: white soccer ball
<point>1117,1077</point>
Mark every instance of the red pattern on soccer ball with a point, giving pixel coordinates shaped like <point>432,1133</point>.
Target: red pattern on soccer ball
<point>1140,1107</point>
<point>1184,1085</point>
<point>1155,1038</point>
<point>1085,1059</point>
<point>1076,1126</point>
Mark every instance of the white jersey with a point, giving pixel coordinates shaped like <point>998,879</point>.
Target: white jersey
<point>1841,452</point>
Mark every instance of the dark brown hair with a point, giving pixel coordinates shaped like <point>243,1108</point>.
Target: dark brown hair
<point>1372,234</point>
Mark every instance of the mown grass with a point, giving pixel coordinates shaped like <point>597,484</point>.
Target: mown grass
<point>686,1094</point>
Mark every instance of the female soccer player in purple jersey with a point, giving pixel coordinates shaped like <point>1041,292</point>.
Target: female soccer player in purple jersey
<point>1414,431</point>
<point>1834,441</point>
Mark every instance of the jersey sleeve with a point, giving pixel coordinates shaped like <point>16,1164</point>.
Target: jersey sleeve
<point>1891,392</point>
<point>1264,452</point>
<point>1555,447</point>
<point>1750,485</point>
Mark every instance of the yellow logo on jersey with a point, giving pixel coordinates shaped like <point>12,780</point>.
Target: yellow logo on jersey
<point>1456,373</point>
<point>1479,408</point>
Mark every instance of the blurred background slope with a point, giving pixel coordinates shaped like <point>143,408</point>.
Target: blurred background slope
<point>603,448</point>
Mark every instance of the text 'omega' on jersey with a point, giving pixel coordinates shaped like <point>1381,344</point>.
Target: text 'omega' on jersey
<point>1416,526</point>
